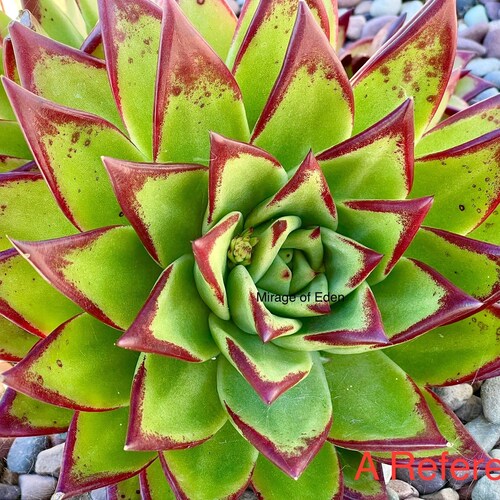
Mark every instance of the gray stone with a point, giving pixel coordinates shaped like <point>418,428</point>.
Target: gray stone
<point>423,486</point>
<point>392,495</point>
<point>56,439</point>
<point>385,8</point>
<point>493,10</point>
<point>373,26</point>
<point>9,492</point>
<point>355,28</point>
<point>466,44</point>
<point>23,452</point>
<point>476,32</point>
<point>486,489</point>
<point>464,5</point>
<point>248,495</point>
<point>490,396</point>
<point>387,472</point>
<point>49,461</point>
<point>492,40</point>
<point>484,433</point>
<point>463,478</point>
<point>446,494</point>
<point>471,409</point>
<point>494,78</point>
<point>476,15</point>
<point>411,9</point>
<point>454,396</point>
<point>465,492</point>
<point>495,453</point>
<point>403,490</point>
<point>34,487</point>
<point>363,8</point>
<point>481,67</point>
<point>486,94</point>
<point>99,494</point>
<point>348,4</point>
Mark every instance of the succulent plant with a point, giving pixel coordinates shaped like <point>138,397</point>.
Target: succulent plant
<point>249,271</point>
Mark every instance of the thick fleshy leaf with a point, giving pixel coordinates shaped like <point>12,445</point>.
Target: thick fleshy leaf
<point>450,354</point>
<point>214,20</point>
<point>413,282</point>
<point>475,191</point>
<point>67,145</point>
<point>310,243</point>
<point>129,489</point>
<point>266,24</point>
<point>270,370</point>
<point>163,384</point>
<point>364,486</point>
<point>293,429</point>
<point>43,64</point>
<point>305,195</point>
<point>488,229</point>
<point>154,484</point>
<point>241,176</point>
<point>376,164</point>
<point>460,444</point>
<point>93,43</point>
<point>60,20</point>
<point>174,320</point>
<point>22,416</point>
<point>440,113</point>
<point>210,253</point>
<point>12,142</point>
<point>28,300</point>
<point>8,163</point>
<point>55,371</point>
<point>386,226</point>
<point>164,203</point>
<point>321,480</point>
<point>416,62</point>
<point>14,341</point>
<point>28,209</point>
<point>342,29</point>
<point>278,277</point>
<point>219,468</point>
<point>107,272</point>
<point>91,463</point>
<point>353,325</point>
<point>362,384</point>
<point>250,313</point>
<point>461,260</point>
<point>347,262</point>
<point>311,88</point>
<point>195,94</point>
<point>475,121</point>
<point>131,37</point>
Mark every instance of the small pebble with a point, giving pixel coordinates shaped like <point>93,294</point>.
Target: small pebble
<point>446,494</point>
<point>411,9</point>
<point>486,94</point>
<point>465,492</point>
<point>385,8</point>
<point>470,410</point>
<point>464,5</point>
<point>9,492</point>
<point>348,4</point>
<point>23,452</point>
<point>466,44</point>
<point>248,495</point>
<point>392,495</point>
<point>476,15</point>
<point>481,67</point>
<point>49,461</point>
<point>363,8</point>
<point>492,40</point>
<point>100,494</point>
<point>494,78</point>
<point>373,26</point>
<point>485,433</point>
<point>454,396</point>
<point>34,487</point>
<point>493,10</point>
<point>403,490</point>
<point>476,32</point>
<point>486,489</point>
<point>355,28</point>
<point>56,439</point>
<point>423,486</point>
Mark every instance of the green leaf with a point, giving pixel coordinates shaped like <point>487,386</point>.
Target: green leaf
<point>305,195</point>
<point>174,320</point>
<point>214,20</point>
<point>312,88</point>
<point>164,203</point>
<point>107,272</point>
<point>488,229</point>
<point>91,463</point>
<point>14,341</point>
<point>90,13</point>
<point>360,386</point>
<point>68,146</point>
<point>269,369</point>
<point>265,24</point>
<point>463,127</point>
<point>241,176</point>
<point>293,429</point>
<point>219,468</point>
<point>28,300</point>
<point>210,253</point>
<point>417,63</point>
<point>161,384</point>
<point>131,37</point>
<point>56,372</point>
<point>386,226</point>
<point>125,490</point>
<point>461,260</point>
<point>321,480</point>
<point>278,277</point>
<point>250,313</point>
<point>29,210</point>
<point>21,416</point>
<point>450,354</point>
<point>413,282</point>
<point>12,141</point>
<point>375,164</point>
<point>154,485</point>
<point>464,204</point>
